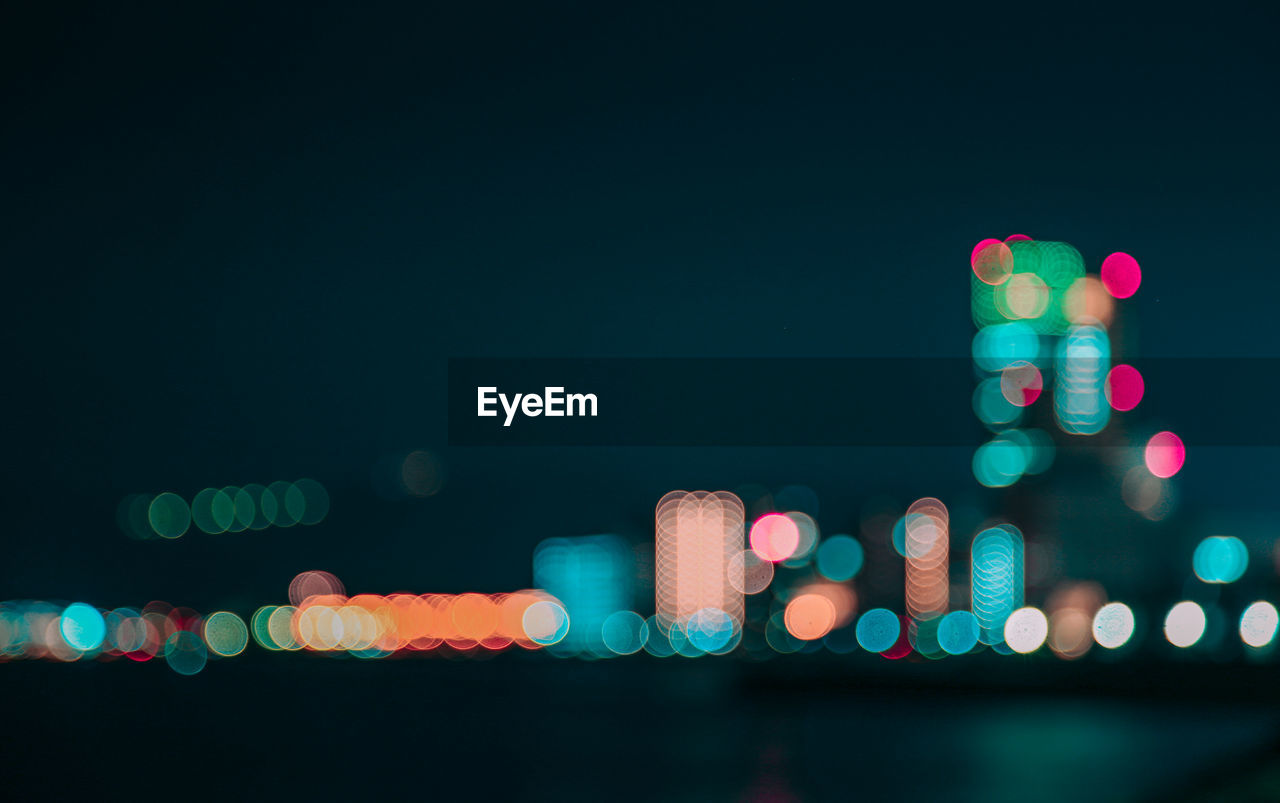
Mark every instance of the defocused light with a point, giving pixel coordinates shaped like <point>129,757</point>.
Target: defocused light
<point>750,573</point>
<point>1185,624</point>
<point>878,629</point>
<point>1021,383</point>
<point>625,632</point>
<point>810,616</point>
<point>313,584</point>
<point>545,622</point>
<point>225,634</point>
<point>840,558</point>
<point>1025,630</point>
<point>992,261</point>
<point>1124,388</point>
<point>997,579</point>
<point>1220,559</point>
<point>1258,624</point>
<point>958,632</point>
<point>999,462</point>
<point>774,537</point>
<point>1113,625</point>
<point>185,653</point>
<point>82,626</point>
<point>697,536</point>
<point>928,545</point>
<point>1165,454</point>
<point>806,543</point>
<point>710,630</point>
<point>996,346</point>
<point>591,577</point>
<point>169,515</point>
<point>1121,274</point>
<point>1083,362</point>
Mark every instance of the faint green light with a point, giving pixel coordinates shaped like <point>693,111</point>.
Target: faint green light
<point>315,501</point>
<point>169,515</point>
<point>284,515</point>
<point>258,494</point>
<point>202,512</point>
<point>226,634</point>
<point>82,626</point>
<point>260,627</point>
<point>244,510</point>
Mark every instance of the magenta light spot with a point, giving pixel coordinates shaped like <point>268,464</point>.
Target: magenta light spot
<point>1124,387</point>
<point>1121,275</point>
<point>1013,238</point>
<point>774,537</point>
<point>1165,454</point>
<point>992,261</point>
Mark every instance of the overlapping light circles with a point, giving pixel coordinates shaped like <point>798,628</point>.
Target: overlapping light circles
<point>775,537</point>
<point>373,626</point>
<point>1072,607</point>
<point>928,553</point>
<point>997,579</point>
<point>227,510</point>
<point>1079,398</point>
<point>698,535</point>
<point>1164,455</point>
<point>592,577</point>
<point>1021,383</point>
<point>42,630</point>
<point>1220,559</point>
<point>1025,280</point>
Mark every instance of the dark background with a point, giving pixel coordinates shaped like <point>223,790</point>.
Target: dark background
<point>240,244</point>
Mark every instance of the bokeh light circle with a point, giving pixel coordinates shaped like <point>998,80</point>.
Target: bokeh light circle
<point>169,515</point>
<point>1185,624</point>
<point>1258,624</point>
<point>958,632</point>
<point>1121,274</point>
<point>1164,454</point>
<point>878,630</point>
<point>1124,388</point>
<point>625,632</point>
<point>1220,559</point>
<point>225,634</point>
<point>1026,629</point>
<point>82,626</point>
<point>840,558</point>
<point>1113,625</point>
<point>545,622</point>
<point>775,537</point>
<point>992,261</point>
<point>749,573</point>
<point>810,616</point>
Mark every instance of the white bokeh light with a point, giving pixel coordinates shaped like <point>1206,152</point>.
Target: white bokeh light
<point>1025,630</point>
<point>1258,624</point>
<point>1113,625</point>
<point>1185,624</point>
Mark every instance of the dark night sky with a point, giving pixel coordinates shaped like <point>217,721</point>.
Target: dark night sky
<point>240,243</point>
